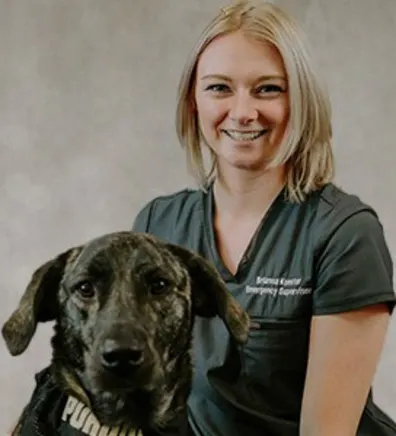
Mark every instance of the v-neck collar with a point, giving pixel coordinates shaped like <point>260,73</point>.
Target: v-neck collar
<point>263,227</point>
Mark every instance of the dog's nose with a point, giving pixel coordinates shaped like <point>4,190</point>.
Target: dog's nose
<point>121,359</point>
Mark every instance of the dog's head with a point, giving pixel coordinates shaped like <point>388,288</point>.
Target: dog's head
<point>124,306</point>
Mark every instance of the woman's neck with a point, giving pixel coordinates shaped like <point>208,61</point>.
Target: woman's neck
<point>249,196</point>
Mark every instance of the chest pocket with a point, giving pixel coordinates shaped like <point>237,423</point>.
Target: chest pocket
<point>274,362</point>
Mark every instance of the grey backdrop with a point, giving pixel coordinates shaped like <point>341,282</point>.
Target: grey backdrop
<point>87,99</point>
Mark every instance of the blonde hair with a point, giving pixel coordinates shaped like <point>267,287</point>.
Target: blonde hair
<point>306,147</point>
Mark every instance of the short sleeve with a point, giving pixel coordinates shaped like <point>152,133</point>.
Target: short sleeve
<point>142,220</point>
<point>353,268</point>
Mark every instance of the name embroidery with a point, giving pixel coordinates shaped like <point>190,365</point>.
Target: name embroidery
<point>275,286</point>
<point>80,417</point>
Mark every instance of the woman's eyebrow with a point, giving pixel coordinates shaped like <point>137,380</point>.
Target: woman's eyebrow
<point>259,79</point>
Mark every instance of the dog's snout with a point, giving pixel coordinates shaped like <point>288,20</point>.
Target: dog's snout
<point>120,358</point>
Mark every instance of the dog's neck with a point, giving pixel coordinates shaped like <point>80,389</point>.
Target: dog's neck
<point>175,424</point>
<point>78,416</point>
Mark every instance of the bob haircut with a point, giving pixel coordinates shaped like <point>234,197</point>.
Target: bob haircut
<point>306,147</point>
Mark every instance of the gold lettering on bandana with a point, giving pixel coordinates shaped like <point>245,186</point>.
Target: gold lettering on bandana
<point>80,417</point>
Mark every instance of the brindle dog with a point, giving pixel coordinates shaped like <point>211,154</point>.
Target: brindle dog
<point>124,307</point>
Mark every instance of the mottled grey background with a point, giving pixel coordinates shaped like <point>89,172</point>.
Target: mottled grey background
<point>87,99</point>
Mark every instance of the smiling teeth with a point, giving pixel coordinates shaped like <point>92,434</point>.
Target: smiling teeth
<point>244,136</point>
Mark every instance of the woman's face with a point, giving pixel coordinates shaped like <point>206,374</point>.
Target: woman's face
<point>241,100</point>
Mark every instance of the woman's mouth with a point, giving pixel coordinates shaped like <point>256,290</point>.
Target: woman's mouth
<point>238,135</point>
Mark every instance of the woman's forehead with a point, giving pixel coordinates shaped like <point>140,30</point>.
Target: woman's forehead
<point>236,53</point>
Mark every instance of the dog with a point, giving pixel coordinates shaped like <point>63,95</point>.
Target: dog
<point>124,306</point>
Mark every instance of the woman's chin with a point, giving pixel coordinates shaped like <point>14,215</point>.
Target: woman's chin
<point>247,161</point>
<point>246,164</point>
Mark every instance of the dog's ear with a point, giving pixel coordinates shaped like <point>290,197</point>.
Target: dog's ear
<point>210,296</point>
<point>38,303</point>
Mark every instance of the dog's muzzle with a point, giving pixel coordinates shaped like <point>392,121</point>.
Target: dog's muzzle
<point>123,359</point>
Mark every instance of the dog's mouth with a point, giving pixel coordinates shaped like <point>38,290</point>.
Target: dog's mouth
<point>114,392</point>
<point>120,408</point>
<point>124,378</point>
<point>122,375</point>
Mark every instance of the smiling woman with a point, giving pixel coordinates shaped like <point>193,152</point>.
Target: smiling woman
<point>307,261</point>
<point>242,101</point>
<point>257,53</point>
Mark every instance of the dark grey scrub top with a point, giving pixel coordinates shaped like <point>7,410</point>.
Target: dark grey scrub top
<point>326,255</point>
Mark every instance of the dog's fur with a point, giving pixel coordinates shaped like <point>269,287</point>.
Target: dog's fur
<point>124,292</point>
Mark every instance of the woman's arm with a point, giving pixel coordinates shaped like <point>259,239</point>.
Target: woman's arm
<point>351,302</point>
<point>344,351</point>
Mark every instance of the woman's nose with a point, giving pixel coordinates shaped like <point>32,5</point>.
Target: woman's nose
<point>243,109</point>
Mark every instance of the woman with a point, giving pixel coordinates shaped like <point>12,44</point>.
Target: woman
<point>308,261</point>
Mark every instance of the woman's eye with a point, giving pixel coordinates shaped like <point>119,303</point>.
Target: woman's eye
<point>85,289</point>
<point>218,87</point>
<point>270,90</point>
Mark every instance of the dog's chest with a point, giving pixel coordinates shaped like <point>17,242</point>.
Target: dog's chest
<point>78,420</point>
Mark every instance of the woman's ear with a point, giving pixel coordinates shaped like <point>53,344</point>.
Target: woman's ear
<point>192,105</point>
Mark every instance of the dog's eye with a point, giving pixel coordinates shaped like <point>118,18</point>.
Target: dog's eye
<point>85,289</point>
<point>158,286</point>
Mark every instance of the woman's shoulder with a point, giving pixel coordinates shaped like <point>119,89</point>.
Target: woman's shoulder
<point>334,206</point>
<point>167,209</point>
<point>353,263</point>
<point>333,201</point>
<point>342,217</point>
